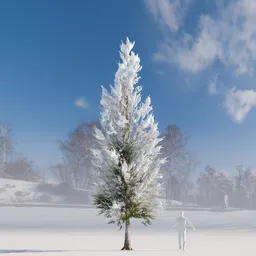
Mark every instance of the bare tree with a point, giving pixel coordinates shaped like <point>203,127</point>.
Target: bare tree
<point>188,164</point>
<point>21,169</point>
<point>6,146</point>
<point>212,186</point>
<point>44,172</point>
<point>245,186</point>
<point>77,155</point>
<point>174,144</point>
<point>62,173</point>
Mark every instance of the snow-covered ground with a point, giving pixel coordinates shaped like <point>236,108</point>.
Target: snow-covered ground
<point>68,231</point>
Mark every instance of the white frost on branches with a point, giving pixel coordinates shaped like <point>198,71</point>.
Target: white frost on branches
<point>125,122</point>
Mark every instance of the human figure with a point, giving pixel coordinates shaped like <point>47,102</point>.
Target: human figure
<point>226,200</point>
<point>180,223</point>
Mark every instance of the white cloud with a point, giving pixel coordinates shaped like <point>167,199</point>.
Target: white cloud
<point>239,103</point>
<point>230,37</point>
<point>165,12</point>
<point>81,103</point>
<point>191,54</point>
<point>227,35</point>
<point>168,13</point>
<point>212,87</point>
<point>212,90</point>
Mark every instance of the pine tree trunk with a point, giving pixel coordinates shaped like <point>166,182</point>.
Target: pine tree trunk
<point>127,240</point>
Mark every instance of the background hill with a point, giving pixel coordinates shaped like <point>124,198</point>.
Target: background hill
<point>24,192</point>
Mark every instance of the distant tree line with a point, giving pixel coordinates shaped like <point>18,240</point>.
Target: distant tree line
<point>241,188</point>
<point>178,173</point>
<point>75,169</point>
<point>76,166</point>
<point>13,165</point>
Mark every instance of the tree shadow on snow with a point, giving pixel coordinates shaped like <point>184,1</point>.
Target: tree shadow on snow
<point>5,251</point>
<point>156,250</point>
<point>28,251</point>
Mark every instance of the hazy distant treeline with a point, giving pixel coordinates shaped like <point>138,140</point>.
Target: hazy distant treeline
<point>75,169</point>
<point>178,172</point>
<point>13,165</point>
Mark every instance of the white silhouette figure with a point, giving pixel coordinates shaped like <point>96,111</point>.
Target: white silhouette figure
<point>181,224</point>
<point>226,200</point>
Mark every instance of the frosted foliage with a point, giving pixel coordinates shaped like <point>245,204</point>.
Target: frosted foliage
<point>126,121</point>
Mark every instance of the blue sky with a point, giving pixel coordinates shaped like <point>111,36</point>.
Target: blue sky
<point>198,68</point>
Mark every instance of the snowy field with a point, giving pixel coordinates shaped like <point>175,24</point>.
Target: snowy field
<point>56,231</point>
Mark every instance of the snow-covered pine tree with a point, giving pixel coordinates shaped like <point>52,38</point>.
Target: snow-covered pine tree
<point>128,161</point>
